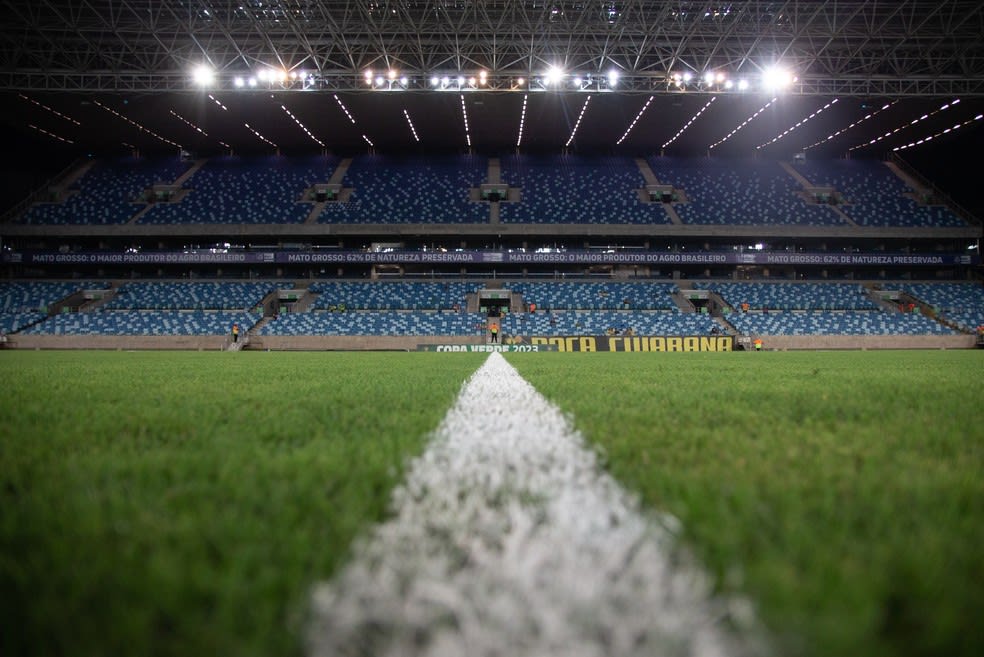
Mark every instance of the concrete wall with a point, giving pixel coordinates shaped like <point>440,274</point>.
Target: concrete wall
<point>187,342</point>
<point>792,342</point>
<point>352,343</point>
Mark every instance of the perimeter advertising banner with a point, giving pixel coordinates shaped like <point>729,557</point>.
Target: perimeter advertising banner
<point>487,348</point>
<point>326,257</point>
<point>634,343</point>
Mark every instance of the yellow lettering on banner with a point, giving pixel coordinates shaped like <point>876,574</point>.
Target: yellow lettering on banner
<point>725,344</point>
<point>691,344</point>
<point>613,344</point>
<point>674,344</point>
<point>588,344</point>
<point>708,344</point>
<point>658,344</point>
<point>561,344</point>
<point>538,340</point>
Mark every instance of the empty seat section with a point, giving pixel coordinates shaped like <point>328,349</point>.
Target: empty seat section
<point>638,296</point>
<point>874,195</point>
<point>109,193</point>
<point>411,190</point>
<point>861,322</point>
<point>961,303</point>
<point>598,322</point>
<point>793,296</point>
<point>187,295</point>
<point>395,295</point>
<point>576,189</point>
<point>144,322</point>
<point>391,323</point>
<point>246,190</point>
<point>738,192</point>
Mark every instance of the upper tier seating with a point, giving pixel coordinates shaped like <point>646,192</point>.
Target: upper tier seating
<point>186,295</point>
<point>411,190</point>
<point>873,194</point>
<point>246,190</point>
<point>793,296</point>
<point>743,192</point>
<point>109,193</point>
<point>565,296</point>
<point>599,321</point>
<point>376,323</point>
<point>144,322</point>
<point>862,322</point>
<point>962,303</point>
<point>574,189</point>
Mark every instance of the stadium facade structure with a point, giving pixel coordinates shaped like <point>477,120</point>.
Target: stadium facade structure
<point>648,91</point>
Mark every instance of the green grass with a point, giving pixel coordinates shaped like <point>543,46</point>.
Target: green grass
<point>184,503</point>
<point>843,492</point>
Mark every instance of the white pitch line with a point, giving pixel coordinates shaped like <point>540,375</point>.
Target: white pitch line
<point>508,538</point>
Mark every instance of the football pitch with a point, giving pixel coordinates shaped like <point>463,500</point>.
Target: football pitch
<point>159,503</point>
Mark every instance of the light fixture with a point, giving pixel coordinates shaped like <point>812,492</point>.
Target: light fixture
<point>203,75</point>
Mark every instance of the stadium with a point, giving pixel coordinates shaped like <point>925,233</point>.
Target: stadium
<point>302,304</point>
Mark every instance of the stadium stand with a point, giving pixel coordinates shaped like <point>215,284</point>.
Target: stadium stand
<point>738,192</point>
<point>246,190</point>
<point>191,296</point>
<point>874,195</point>
<point>961,303</point>
<point>395,295</point>
<point>36,296</point>
<point>109,193</point>
<point>570,296</point>
<point>411,190</point>
<point>576,189</point>
<point>416,323</point>
<point>144,322</point>
<point>793,296</point>
<point>599,322</point>
<point>864,322</point>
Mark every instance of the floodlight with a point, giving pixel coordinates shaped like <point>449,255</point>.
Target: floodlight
<point>709,77</point>
<point>252,82</point>
<point>445,81</point>
<point>553,75</point>
<point>391,74</point>
<point>471,81</point>
<point>776,78</point>
<point>612,78</point>
<point>520,82</point>
<point>742,85</point>
<point>203,75</point>
<point>404,81</point>
<point>688,76</point>
<point>435,81</point>
<point>461,81</point>
<point>238,81</point>
<point>379,80</point>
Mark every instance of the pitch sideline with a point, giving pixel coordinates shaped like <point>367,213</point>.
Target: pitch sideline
<point>508,538</point>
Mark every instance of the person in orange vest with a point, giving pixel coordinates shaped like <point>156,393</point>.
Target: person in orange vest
<point>758,344</point>
<point>494,330</point>
<point>235,332</point>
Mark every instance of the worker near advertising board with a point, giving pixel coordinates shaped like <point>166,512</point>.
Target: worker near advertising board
<point>494,330</point>
<point>758,344</point>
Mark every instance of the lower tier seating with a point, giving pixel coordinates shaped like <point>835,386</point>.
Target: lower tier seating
<point>821,322</point>
<point>156,322</point>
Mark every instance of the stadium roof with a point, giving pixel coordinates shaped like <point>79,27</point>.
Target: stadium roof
<point>101,76</point>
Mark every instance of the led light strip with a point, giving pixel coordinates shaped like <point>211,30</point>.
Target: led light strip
<point>303,127</point>
<point>137,125</point>
<point>578,122</point>
<point>410,123</point>
<point>50,134</point>
<point>188,123</point>
<point>522,121</point>
<point>791,128</point>
<point>746,122</point>
<point>635,120</point>
<point>692,119</point>
<point>856,123</point>
<point>906,125</point>
<point>260,136</point>
<point>464,113</point>
<point>218,102</point>
<point>53,111</point>
<point>345,109</point>
<point>939,134</point>
<point>368,141</point>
